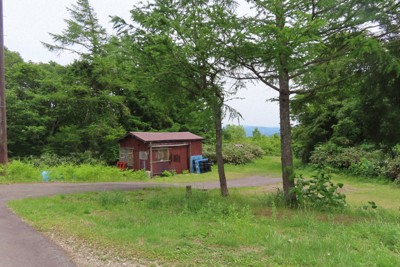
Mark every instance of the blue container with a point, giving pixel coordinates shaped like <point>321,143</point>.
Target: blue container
<point>193,162</point>
<point>45,176</point>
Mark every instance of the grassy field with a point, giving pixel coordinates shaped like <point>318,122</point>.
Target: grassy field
<point>267,166</point>
<point>169,228</point>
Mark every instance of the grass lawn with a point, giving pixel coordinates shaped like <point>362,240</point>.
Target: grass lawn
<point>169,228</point>
<point>358,190</point>
<point>267,166</point>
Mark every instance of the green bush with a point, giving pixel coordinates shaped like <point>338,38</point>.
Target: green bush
<point>324,154</point>
<point>271,145</point>
<point>319,192</point>
<point>234,153</point>
<point>360,160</point>
<point>335,156</point>
<point>167,173</point>
<point>366,167</point>
<point>392,168</point>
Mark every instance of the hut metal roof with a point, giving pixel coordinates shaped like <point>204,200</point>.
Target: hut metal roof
<point>160,137</point>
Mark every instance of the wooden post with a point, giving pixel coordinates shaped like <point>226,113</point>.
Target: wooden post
<point>151,159</point>
<point>188,190</point>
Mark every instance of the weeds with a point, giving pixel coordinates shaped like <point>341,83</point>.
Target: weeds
<point>18,171</point>
<point>112,198</point>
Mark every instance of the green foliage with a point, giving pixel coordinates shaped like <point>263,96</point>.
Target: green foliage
<point>234,133</point>
<point>271,145</point>
<point>319,192</point>
<point>363,108</point>
<point>53,160</point>
<point>362,161</point>
<point>18,172</point>
<point>113,198</point>
<point>83,35</point>
<point>335,156</point>
<point>234,153</point>
<point>275,199</point>
<point>392,168</point>
<point>168,173</point>
<point>256,134</point>
<point>24,171</point>
<point>93,173</point>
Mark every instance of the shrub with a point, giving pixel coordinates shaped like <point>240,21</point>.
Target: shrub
<point>319,192</point>
<point>358,160</point>
<point>324,154</point>
<point>392,168</point>
<point>366,168</point>
<point>335,156</point>
<point>167,173</point>
<point>271,145</point>
<point>234,153</point>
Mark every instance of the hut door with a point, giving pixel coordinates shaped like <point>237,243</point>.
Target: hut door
<point>179,159</point>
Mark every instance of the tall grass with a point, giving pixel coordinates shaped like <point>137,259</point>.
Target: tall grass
<point>17,171</point>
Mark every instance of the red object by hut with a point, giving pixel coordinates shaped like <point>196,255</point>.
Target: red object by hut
<point>157,152</point>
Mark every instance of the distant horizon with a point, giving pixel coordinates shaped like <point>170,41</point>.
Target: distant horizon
<point>249,125</point>
<point>267,131</point>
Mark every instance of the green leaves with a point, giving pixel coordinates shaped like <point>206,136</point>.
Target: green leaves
<point>319,192</point>
<point>83,36</point>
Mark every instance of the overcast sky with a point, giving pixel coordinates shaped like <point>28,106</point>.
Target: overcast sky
<point>28,22</point>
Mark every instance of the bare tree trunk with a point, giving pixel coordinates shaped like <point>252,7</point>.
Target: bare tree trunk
<point>286,139</point>
<point>218,150</point>
<point>3,119</point>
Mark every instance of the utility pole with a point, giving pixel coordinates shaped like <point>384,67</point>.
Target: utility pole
<point>3,119</point>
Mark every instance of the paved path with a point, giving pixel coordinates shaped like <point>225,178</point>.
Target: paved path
<point>22,246</point>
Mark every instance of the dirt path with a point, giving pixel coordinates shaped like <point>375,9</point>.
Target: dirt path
<point>21,245</point>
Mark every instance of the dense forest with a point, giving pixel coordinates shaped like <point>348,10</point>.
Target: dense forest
<point>84,107</point>
<point>335,64</point>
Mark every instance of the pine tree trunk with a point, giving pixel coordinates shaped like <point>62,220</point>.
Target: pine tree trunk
<point>286,139</point>
<point>218,150</point>
<point>284,110</point>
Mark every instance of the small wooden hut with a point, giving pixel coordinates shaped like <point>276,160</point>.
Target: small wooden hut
<point>157,152</point>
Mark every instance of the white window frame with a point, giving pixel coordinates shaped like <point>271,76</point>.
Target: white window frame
<point>162,155</point>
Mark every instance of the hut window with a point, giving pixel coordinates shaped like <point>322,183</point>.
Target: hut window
<point>162,154</point>
<point>126,155</point>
